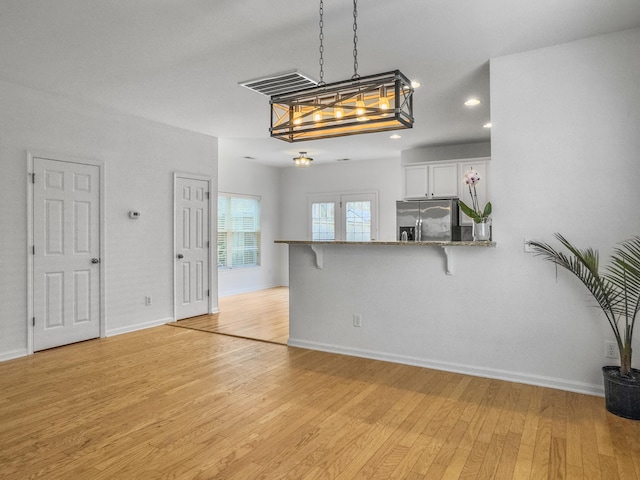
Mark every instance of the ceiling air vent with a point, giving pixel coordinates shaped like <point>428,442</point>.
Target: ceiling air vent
<point>280,83</point>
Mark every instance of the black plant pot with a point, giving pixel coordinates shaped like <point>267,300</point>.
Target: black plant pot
<point>622,394</point>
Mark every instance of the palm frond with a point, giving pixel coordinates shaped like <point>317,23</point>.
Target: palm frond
<point>624,273</point>
<point>584,264</point>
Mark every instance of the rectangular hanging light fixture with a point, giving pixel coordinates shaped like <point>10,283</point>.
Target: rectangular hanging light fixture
<point>375,103</point>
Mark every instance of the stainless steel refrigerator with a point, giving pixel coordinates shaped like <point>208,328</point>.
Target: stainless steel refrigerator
<point>434,220</point>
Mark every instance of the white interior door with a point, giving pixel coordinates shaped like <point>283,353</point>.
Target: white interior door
<point>192,247</point>
<point>66,253</point>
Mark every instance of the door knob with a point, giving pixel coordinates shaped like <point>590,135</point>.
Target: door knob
<point>95,260</point>
<point>180,255</point>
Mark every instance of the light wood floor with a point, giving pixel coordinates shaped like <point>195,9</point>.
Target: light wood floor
<point>261,315</point>
<point>184,404</point>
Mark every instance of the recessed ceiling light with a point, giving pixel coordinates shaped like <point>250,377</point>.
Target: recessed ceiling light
<point>415,83</point>
<point>395,136</point>
<point>487,125</point>
<point>472,102</point>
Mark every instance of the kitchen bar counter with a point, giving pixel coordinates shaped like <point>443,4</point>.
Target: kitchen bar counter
<point>318,247</point>
<point>403,244</point>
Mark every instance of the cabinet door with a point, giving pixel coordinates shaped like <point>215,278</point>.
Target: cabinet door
<point>415,181</point>
<point>481,188</point>
<point>443,180</point>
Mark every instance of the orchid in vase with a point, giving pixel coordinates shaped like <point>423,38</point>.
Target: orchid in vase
<point>471,179</point>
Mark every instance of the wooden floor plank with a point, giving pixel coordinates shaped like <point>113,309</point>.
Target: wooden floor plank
<point>181,403</point>
<point>262,315</point>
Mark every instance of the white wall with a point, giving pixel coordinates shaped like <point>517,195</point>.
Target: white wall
<point>247,178</point>
<point>565,149</point>
<point>140,158</point>
<point>446,152</point>
<point>382,176</point>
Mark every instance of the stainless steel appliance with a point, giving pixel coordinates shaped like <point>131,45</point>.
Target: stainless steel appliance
<point>433,220</point>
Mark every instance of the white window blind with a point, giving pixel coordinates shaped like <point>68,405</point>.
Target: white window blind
<point>238,231</point>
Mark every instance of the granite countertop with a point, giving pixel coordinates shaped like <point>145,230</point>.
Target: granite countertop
<point>402,244</point>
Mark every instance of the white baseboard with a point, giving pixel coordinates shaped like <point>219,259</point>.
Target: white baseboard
<point>537,380</point>
<point>138,326</point>
<point>10,355</point>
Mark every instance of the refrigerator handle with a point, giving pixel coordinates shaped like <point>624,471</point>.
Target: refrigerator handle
<point>420,231</point>
<point>417,230</point>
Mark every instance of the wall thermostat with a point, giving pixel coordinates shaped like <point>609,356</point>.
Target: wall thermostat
<point>134,214</point>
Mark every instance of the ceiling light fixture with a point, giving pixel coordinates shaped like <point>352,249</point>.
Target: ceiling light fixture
<point>375,103</point>
<point>472,102</point>
<point>302,161</point>
<point>487,125</point>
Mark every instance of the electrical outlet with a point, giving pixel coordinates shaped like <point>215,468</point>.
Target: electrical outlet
<point>147,301</point>
<point>357,320</point>
<point>610,349</point>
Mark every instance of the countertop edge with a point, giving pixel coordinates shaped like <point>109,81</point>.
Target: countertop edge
<point>402,244</point>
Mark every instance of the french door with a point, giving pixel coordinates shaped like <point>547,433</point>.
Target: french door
<point>345,217</point>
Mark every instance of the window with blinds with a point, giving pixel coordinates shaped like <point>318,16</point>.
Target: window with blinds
<point>238,231</point>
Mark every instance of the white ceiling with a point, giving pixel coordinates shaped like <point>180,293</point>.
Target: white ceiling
<point>179,61</point>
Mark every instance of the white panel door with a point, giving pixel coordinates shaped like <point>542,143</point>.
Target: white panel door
<point>192,247</point>
<point>66,257</point>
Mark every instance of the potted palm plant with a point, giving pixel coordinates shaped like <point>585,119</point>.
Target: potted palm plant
<point>617,292</point>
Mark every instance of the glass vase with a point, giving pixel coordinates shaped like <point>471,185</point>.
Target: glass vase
<point>482,230</point>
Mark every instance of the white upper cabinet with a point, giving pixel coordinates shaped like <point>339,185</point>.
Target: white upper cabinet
<point>444,179</point>
<point>430,180</point>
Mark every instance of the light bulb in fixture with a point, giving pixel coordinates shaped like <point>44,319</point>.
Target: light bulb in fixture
<point>384,101</point>
<point>297,116</point>
<point>317,114</point>
<point>472,102</point>
<point>487,125</point>
<point>338,112</point>
<point>360,106</point>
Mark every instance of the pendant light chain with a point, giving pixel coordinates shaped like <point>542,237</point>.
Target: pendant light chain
<point>321,83</point>
<point>355,40</point>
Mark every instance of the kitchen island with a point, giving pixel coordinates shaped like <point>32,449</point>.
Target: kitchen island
<point>391,300</point>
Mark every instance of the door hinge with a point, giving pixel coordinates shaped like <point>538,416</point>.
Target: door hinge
<point>208,196</point>
<point>208,294</point>
<point>208,244</point>
<point>33,322</point>
<point>34,249</point>
<point>33,178</point>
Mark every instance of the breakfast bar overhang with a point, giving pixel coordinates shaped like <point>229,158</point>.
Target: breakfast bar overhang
<point>318,247</point>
